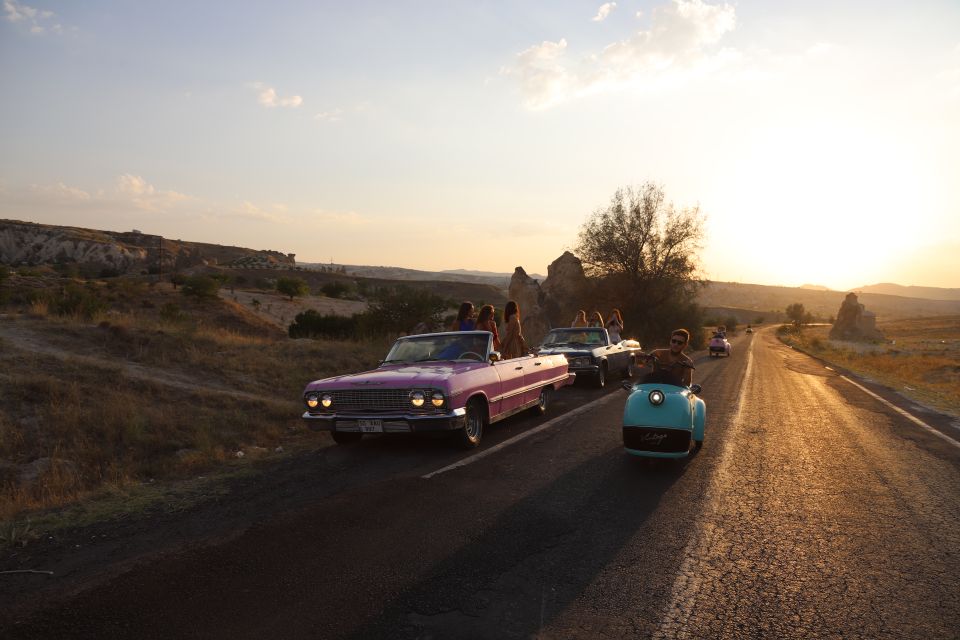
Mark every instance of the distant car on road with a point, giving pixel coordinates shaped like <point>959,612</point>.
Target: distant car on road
<point>719,346</point>
<point>590,352</point>
<point>452,381</point>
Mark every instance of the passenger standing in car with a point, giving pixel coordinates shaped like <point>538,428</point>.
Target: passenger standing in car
<point>464,321</point>
<point>580,320</point>
<point>512,342</point>
<point>596,320</point>
<point>486,322</point>
<point>615,326</point>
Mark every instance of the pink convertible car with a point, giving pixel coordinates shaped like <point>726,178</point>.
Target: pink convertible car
<point>435,382</point>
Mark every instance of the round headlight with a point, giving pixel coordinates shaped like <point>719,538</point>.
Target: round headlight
<point>416,398</point>
<point>656,397</point>
<point>312,400</point>
<point>326,400</point>
<point>437,399</point>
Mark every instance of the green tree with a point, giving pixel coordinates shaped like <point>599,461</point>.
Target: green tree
<point>203,287</point>
<point>796,313</point>
<point>640,251</point>
<point>401,309</point>
<point>292,287</point>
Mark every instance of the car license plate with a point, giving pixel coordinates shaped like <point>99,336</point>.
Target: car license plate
<point>371,426</point>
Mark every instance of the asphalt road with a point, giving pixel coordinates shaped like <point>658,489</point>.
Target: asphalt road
<point>812,511</point>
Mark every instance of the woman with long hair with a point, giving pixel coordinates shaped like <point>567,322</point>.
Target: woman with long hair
<point>580,320</point>
<point>615,326</point>
<point>464,321</point>
<point>513,344</point>
<point>596,320</point>
<point>486,322</point>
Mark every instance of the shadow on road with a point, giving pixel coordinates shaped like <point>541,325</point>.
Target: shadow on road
<point>536,558</point>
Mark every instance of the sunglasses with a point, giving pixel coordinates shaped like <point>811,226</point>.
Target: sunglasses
<point>675,341</point>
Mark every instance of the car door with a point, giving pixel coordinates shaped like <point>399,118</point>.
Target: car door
<point>511,374</point>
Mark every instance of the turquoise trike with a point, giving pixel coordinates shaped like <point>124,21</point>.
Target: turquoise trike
<point>662,417</point>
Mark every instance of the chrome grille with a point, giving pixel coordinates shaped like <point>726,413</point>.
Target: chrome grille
<point>379,400</point>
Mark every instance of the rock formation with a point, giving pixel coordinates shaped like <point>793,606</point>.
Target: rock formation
<point>854,322</point>
<point>27,243</point>
<point>555,302</point>
<point>565,289</point>
<point>526,292</point>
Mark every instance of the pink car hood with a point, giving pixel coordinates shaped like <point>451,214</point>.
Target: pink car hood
<point>399,376</point>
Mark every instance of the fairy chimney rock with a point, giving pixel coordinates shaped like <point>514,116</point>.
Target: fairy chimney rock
<point>564,288</point>
<point>854,322</point>
<point>526,292</point>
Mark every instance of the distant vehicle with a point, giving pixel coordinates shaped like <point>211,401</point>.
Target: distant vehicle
<point>719,345</point>
<point>452,381</point>
<point>590,352</point>
<point>663,418</point>
<point>749,329</point>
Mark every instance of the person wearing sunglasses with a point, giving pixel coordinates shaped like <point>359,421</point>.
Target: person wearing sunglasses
<point>671,359</point>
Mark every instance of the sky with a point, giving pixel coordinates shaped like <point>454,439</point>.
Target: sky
<point>819,139</point>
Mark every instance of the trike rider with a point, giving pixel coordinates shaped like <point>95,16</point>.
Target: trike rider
<point>673,365</point>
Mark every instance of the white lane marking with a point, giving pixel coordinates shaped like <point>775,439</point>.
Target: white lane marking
<point>920,423</point>
<point>686,586</point>
<point>520,436</point>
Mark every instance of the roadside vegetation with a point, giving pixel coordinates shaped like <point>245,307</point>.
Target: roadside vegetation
<point>113,386</point>
<point>642,243</point>
<point>920,358</point>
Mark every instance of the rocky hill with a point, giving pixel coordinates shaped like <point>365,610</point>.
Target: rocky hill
<point>28,243</point>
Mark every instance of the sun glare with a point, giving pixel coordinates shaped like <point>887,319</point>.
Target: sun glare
<point>827,205</point>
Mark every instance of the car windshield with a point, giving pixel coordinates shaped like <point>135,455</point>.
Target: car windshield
<point>574,336</point>
<point>443,346</point>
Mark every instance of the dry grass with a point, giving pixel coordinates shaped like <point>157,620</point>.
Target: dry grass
<point>920,358</point>
<point>101,406</point>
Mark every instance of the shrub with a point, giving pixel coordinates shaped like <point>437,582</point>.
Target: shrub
<point>201,287</point>
<point>311,324</point>
<point>178,279</point>
<point>335,289</point>
<point>292,287</point>
<point>76,300</point>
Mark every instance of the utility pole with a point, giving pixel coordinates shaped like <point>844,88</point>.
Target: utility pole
<point>160,262</point>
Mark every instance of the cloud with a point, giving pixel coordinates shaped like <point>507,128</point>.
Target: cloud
<point>336,115</point>
<point>604,11</point>
<point>275,213</point>
<point>267,96</point>
<point>38,20</point>
<point>60,192</point>
<point>341,219</point>
<point>676,42</point>
<point>145,196</point>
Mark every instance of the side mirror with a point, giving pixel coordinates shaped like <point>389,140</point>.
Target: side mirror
<point>695,388</point>
<point>494,356</point>
<point>627,385</point>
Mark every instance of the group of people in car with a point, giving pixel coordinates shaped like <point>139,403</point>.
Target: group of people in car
<point>509,341</point>
<point>613,325</point>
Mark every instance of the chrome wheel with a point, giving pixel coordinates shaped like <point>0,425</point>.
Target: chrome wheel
<point>541,407</point>
<point>475,421</point>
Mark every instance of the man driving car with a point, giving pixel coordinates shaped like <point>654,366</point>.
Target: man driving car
<point>673,359</point>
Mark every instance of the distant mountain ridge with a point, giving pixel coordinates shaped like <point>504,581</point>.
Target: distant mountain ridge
<point>926,293</point>
<point>501,280</point>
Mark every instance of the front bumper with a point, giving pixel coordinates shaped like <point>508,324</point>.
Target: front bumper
<point>657,442</point>
<point>590,370</point>
<point>390,423</point>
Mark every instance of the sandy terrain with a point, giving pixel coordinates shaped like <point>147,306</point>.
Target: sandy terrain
<point>281,311</point>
